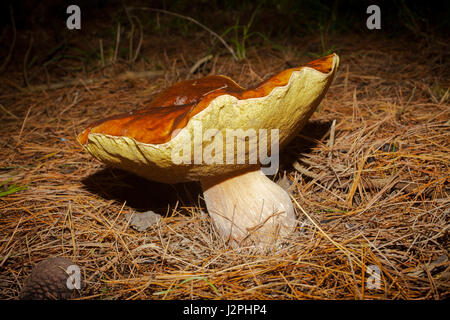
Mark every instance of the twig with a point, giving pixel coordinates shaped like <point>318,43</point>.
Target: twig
<point>130,50</point>
<point>297,166</point>
<point>8,112</point>
<point>141,39</point>
<point>199,63</point>
<point>332,132</point>
<point>388,185</point>
<point>23,126</point>
<point>132,58</point>
<point>191,20</point>
<point>355,183</point>
<point>25,60</point>
<point>331,141</point>
<point>102,56</point>
<point>402,109</point>
<point>11,47</point>
<point>116,49</point>
<point>338,245</point>
<point>77,82</point>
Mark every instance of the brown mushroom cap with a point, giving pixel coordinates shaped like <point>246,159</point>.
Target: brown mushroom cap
<point>168,111</point>
<point>142,141</point>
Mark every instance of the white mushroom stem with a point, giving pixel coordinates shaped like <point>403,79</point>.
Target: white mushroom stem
<point>249,208</point>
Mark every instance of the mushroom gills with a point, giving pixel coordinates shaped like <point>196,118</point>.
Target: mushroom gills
<point>249,208</point>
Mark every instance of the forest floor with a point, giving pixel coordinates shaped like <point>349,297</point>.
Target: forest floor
<point>370,175</point>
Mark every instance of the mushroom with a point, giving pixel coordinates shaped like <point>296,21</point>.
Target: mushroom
<point>214,131</point>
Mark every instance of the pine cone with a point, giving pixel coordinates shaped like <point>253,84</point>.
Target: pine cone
<point>48,281</point>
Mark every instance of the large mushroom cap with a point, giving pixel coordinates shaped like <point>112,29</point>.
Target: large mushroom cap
<point>217,132</point>
<point>143,141</point>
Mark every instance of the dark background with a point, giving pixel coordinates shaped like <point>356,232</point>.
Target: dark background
<point>279,21</point>
<point>277,18</point>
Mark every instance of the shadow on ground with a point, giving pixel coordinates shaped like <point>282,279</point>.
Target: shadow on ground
<point>142,194</point>
<point>303,143</point>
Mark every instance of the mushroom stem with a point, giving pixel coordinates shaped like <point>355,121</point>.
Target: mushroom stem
<point>249,208</point>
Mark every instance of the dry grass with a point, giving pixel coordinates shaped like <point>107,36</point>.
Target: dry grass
<point>371,190</point>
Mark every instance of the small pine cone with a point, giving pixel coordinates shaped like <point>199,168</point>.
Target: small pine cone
<point>48,281</point>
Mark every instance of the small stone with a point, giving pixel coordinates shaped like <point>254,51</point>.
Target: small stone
<point>142,221</point>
